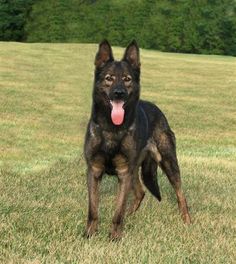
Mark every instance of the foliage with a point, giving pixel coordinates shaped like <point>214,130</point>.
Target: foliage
<point>13,14</point>
<point>195,26</point>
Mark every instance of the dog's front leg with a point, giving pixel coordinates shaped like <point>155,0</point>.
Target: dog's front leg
<point>124,177</point>
<point>93,182</point>
<point>118,218</point>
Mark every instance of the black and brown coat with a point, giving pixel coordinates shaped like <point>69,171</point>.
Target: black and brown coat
<point>138,136</point>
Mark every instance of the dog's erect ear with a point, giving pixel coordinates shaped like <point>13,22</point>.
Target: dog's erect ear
<point>132,54</point>
<point>104,54</point>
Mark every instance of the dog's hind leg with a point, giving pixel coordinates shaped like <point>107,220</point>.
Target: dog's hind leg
<point>169,164</point>
<point>138,194</point>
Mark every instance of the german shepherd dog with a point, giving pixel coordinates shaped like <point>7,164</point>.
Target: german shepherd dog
<point>125,133</point>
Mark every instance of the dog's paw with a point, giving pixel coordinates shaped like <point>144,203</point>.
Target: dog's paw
<point>187,219</point>
<point>90,231</point>
<point>115,236</point>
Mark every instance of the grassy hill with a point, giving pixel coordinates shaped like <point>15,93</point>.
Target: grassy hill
<point>45,105</point>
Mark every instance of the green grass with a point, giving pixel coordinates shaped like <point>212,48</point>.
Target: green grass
<point>45,105</point>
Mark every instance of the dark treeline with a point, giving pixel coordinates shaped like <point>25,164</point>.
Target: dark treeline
<point>13,18</point>
<point>190,26</point>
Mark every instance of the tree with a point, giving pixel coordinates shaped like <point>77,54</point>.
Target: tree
<point>13,15</point>
<point>190,26</point>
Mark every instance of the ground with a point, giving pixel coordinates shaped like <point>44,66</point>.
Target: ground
<point>45,105</point>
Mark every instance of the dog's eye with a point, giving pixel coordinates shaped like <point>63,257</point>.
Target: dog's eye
<point>127,78</point>
<point>108,78</point>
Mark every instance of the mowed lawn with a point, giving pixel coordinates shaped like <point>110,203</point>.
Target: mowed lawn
<point>45,93</point>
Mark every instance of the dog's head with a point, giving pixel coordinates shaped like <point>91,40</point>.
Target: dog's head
<point>116,84</point>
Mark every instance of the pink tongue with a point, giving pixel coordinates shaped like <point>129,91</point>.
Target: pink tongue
<point>117,112</point>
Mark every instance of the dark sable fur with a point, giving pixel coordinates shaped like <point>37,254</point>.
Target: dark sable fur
<point>143,140</point>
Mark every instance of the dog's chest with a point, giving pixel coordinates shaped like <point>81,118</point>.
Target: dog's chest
<point>111,141</point>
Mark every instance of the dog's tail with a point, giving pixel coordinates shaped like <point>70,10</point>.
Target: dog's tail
<point>149,177</point>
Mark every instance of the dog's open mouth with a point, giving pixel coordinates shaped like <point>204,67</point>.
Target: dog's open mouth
<point>117,112</point>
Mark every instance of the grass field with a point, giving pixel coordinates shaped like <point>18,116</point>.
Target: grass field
<point>45,93</point>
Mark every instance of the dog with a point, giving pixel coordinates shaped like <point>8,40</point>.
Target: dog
<point>125,133</point>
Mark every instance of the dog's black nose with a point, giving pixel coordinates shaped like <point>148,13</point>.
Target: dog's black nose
<point>119,93</point>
